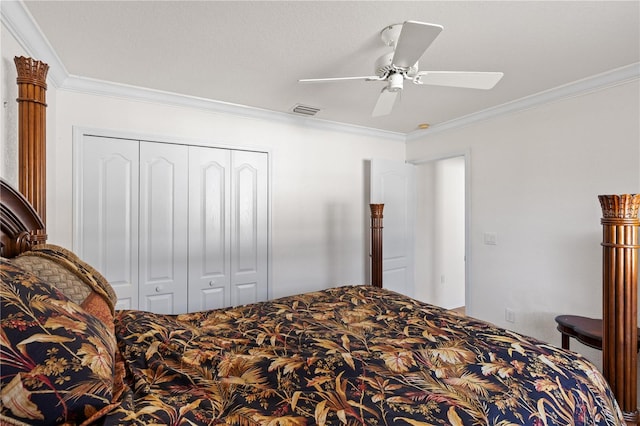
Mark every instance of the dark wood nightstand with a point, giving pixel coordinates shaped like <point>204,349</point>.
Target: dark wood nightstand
<point>587,331</point>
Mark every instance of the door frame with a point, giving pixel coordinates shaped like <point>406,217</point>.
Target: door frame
<point>466,153</point>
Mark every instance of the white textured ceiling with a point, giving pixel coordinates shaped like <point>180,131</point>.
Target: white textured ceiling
<point>253,52</point>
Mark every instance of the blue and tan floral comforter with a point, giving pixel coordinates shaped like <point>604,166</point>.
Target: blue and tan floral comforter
<point>355,355</point>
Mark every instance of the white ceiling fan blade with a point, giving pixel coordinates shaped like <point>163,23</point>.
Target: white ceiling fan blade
<point>385,103</point>
<point>468,79</point>
<point>323,80</point>
<point>413,41</point>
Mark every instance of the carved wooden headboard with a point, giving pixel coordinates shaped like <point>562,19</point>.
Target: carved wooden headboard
<point>20,226</point>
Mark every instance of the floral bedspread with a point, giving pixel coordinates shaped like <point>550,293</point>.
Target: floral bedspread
<point>356,355</point>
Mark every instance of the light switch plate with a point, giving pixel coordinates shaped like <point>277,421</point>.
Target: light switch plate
<point>490,238</point>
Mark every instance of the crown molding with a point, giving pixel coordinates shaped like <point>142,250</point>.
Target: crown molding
<point>577,88</point>
<point>107,88</point>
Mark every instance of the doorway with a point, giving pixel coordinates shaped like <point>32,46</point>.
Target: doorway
<point>441,231</point>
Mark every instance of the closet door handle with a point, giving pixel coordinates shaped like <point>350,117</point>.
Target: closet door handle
<point>211,283</point>
<point>158,289</point>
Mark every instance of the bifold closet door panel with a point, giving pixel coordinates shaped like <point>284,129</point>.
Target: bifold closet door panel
<point>174,228</point>
<point>164,171</point>
<point>249,222</point>
<point>209,228</point>
<point>106,222</point>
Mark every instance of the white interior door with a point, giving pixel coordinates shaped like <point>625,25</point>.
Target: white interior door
<point>393,184</point>
<point>249,222</point>
<point>209,228</point>
<point>106,212</point>
<point>164,171</point>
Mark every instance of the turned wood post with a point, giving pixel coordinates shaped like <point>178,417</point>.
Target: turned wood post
<point>620,298</point>
<point>32,87</point>
<point>376,244</point>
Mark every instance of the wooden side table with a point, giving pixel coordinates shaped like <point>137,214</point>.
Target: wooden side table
<point>587,331</point>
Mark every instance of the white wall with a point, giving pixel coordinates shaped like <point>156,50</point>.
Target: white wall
<point>535,178</point>
<point>9,117</point>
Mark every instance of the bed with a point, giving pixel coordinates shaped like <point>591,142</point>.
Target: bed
<point>352,355</point>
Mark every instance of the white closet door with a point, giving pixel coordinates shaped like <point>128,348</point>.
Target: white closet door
<point>163,227</point>
<point>209,228</point>
<point>249,227</point>
<point>106,223</point>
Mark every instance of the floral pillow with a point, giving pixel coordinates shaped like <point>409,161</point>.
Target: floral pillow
<point>78,281</point>
<point>57,359</point>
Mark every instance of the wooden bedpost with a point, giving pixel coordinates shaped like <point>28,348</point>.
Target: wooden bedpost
<point>620,299</point>
<point>32,153</point>
<point>376,244</point>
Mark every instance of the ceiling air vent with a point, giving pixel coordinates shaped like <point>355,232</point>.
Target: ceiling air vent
<point>305,110</point>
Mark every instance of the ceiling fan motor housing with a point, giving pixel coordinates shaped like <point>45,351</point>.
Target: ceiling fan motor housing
<point>384,67</point>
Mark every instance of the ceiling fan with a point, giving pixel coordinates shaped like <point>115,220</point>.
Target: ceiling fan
<point>409,41</point>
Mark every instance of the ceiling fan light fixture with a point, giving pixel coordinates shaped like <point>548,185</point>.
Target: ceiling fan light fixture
<point>395,82</point>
